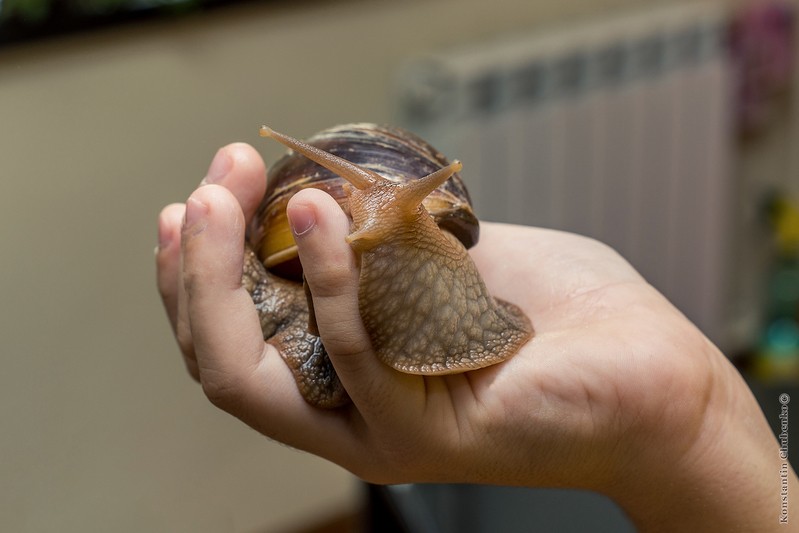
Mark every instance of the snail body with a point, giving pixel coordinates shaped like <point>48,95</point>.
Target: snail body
<point>421,298</point>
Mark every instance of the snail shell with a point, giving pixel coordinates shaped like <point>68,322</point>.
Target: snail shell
<point>392,152</point>
<point>421,298</point>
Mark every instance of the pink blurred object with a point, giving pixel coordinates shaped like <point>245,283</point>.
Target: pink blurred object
<point>762,44</point>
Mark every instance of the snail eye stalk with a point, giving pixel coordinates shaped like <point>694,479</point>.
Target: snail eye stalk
<point>359,177</point>
<point>414,192</point>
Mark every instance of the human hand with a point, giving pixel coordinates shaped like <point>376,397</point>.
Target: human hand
<point>617,392</point>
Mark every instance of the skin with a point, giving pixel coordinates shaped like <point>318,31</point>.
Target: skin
<point>617,392</point>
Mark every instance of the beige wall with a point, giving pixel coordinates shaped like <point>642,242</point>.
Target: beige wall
<point>100,427</point>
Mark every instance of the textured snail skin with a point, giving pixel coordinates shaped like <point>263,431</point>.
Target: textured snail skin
<point>421,298</point>
<point>283,309</point>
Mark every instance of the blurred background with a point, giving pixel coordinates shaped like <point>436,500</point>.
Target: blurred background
<point>667,129</point>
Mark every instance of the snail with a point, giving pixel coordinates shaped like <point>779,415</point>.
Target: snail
<point>421,298</point>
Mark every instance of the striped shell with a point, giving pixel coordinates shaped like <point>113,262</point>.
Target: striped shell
<point>390,151</point>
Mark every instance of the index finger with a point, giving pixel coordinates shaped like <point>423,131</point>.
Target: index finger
<point>239,372</point>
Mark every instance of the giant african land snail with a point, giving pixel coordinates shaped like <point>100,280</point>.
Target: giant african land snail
<point>421,298</point>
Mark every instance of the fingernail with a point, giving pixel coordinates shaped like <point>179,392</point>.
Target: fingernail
<point>220,166</point>
<point>301,218</point>
<point>196,218</point>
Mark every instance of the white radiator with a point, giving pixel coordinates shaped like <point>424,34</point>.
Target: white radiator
<point>619,129</point>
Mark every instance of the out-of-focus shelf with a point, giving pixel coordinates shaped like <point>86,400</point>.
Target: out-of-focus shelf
<point>20,23</point>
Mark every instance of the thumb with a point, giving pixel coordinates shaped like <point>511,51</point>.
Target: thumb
<point>331,271</point>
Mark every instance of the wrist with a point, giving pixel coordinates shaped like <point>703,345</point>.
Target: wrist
<point>724,477</point>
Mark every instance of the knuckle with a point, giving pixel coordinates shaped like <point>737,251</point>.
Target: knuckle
<point>223,391</point>
<point>345,337</point>
<point>330,280</point>
<point>192,280</point>
<point>230,386</point>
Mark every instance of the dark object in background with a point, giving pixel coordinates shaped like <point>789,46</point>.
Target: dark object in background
<point>28,20</point>
<point>453,508</point>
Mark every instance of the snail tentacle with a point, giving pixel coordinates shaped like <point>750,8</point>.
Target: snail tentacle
<point>413,193</point>
<point>359,177</point>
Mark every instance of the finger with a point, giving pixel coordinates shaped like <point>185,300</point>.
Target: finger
<point>239,372</point>
<point>222,319</point>
<point>170,280</point>
<point>183,326</point>
<point>167,259</point>
<point>239,168</point>
<point>330,268</point>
